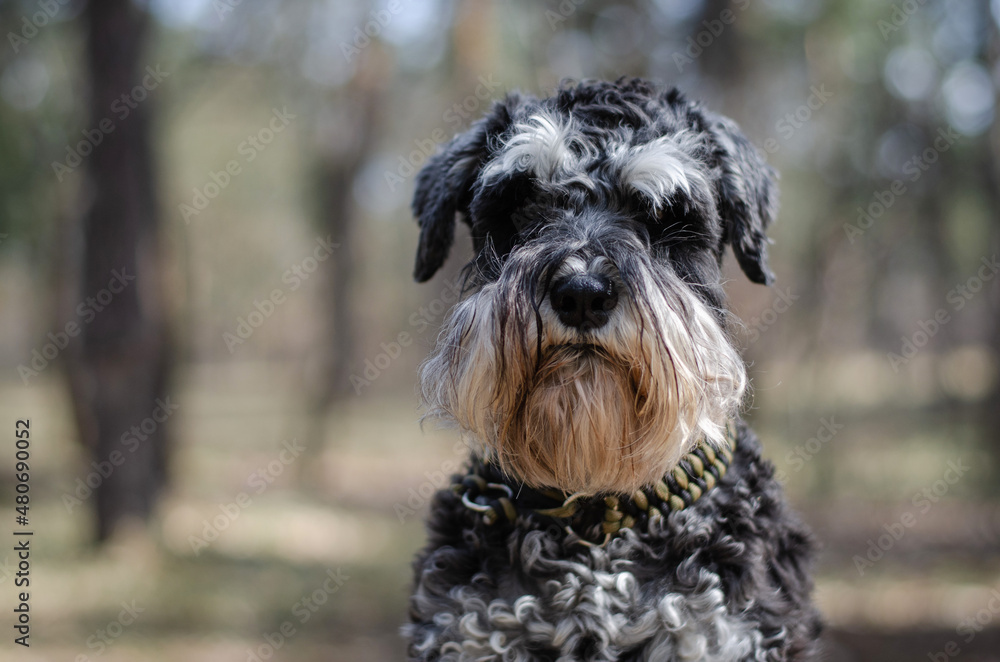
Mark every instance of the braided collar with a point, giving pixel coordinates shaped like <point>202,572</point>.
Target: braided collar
<point>595,519</point>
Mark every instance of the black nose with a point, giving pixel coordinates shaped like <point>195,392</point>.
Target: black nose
<point>584,301</point>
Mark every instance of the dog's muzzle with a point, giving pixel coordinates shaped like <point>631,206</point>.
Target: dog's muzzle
<point>598,383</point>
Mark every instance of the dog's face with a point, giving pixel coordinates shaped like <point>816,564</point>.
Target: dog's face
<point>591,351</point>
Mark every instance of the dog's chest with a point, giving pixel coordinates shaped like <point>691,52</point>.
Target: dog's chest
<point>589,608</point>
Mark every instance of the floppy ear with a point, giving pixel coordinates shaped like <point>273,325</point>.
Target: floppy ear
<point>748,197</point>
<point>444,187</point>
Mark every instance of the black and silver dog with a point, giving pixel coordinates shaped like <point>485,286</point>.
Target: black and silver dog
<point>616,508</point>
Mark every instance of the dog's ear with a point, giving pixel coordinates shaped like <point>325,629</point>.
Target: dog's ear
<point>444,186</point>
<point>748,197</point>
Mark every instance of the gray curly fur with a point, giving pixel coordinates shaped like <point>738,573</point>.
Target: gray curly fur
<point>724,579</point>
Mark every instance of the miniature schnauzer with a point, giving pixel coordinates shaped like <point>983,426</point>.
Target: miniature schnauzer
<point>615,507</point>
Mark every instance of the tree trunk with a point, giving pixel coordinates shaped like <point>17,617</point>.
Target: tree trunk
<point>337,216</point>
<point>990,418</point>
<point>118,371</point>
<point>336,166</point>
<point>348,139</point>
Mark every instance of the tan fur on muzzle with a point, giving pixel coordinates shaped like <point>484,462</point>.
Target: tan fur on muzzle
<point>610,416</point>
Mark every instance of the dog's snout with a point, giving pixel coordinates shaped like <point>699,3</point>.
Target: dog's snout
<point>584,301</point>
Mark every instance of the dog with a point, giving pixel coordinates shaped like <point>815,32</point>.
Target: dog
<point>616,507</point>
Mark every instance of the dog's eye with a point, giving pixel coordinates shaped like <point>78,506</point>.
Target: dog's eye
<point>499,213</point>
<point>660,221</point>
<point>672,224</point>
<point>526,221</point>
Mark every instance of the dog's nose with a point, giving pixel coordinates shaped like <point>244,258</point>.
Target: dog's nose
<point>584,301</point>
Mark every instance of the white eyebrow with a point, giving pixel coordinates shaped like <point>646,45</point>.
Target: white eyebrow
<point>541,145</point>
<point>660,168</point>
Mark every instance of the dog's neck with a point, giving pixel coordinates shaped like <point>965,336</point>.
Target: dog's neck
<point>595,519</point>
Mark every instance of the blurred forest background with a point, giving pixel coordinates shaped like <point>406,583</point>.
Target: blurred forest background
<point>205,256</point>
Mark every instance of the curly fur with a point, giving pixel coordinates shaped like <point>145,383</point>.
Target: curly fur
<point>725,579</point>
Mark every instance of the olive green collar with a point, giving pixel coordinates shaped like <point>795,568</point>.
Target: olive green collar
<point>595,519</point>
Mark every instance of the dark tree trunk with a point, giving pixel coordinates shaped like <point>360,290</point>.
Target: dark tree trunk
<point>337,219</point>
<point>335,169</point>
<point>337,162</point>
<point>118,371</point>
<point>990,419</point>
<point>725,60</point>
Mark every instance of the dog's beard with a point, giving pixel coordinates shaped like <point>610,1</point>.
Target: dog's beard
<point>581,423</point>
<point>611,415</point>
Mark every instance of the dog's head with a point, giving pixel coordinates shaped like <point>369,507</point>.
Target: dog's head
<point>591,351</point>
